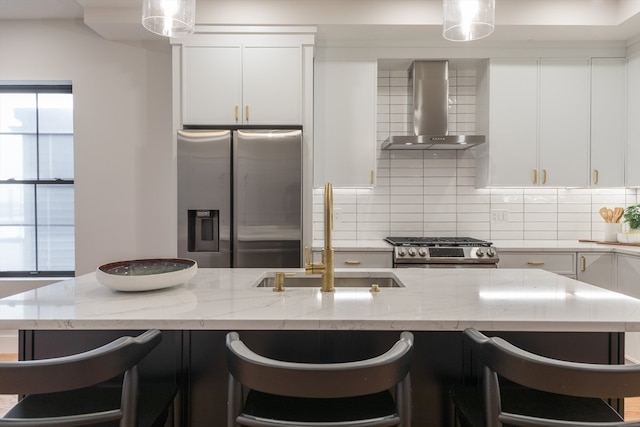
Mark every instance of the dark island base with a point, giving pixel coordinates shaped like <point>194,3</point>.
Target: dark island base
<point>197,360</point>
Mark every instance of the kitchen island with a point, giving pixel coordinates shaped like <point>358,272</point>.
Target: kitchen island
<point>542,311</point>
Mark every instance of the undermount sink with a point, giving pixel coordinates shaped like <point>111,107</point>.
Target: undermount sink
<point>341,280</point>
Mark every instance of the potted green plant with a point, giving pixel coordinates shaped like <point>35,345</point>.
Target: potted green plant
<point>632,218</point>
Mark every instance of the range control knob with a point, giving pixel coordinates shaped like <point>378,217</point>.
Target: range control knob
<point>412,251</point>
<point>480,252</point>
<point>422,252</point>
<point>491,252</point>
<point>402,252</point>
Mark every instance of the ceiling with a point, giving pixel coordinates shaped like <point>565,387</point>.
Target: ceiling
<point>388,22</point>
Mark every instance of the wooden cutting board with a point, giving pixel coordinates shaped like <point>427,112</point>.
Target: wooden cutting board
<point>609,243</point>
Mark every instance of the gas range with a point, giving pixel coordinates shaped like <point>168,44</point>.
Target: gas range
<point>443,252</point>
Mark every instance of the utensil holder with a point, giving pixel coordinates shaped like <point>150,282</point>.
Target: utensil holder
<point>611,230</point>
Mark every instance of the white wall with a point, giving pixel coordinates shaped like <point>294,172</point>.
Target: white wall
<point>124,168</point>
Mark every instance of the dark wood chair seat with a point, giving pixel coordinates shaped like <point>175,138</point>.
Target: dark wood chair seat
<point>371,392</point>
<point>99,387</point>
<point>520,388</point>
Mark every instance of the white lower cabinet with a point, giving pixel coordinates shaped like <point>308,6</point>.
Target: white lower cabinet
<point>597,269</point>
<point>629,284</point>
<point>557,262</point>
<point>359,259</point>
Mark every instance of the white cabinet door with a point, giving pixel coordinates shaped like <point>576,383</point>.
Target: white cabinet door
<point>608,97</point>
<point>513,125</point>
<point>564,122</point>
<point>233,85</point>
<point>597,269</point>
<point>272,85</point>
<point>629,284</point>
<point>211,85</point>
<point>557,262</point>
<point>359,259</point>
<point>629,275</point>
<point>344,151</point>
<point>538,123</point>
<point>633,121</point>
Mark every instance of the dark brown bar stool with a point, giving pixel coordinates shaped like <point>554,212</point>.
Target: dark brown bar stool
<point>524,389</point>
<point>266,392</point>
<point>97,387</point>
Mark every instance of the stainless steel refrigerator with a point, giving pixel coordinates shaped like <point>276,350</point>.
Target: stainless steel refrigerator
<point>240,197</point>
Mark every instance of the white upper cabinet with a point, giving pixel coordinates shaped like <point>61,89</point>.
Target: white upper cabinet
<point>242,85</point>
<point>539,124</point>
<point>272,85</point>
<point>564,122</point>
<point>345,123</point>
<point>513,123</point>
<point>633,121</point>
<point>608,97</point>
<point>211,84</point>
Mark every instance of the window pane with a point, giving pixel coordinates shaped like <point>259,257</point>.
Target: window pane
<point>17,228</point>
<point>17,246</point>
<point>56,248</point>
<point>55,113</point>
<point>56,251</point>
<point>55,204</point>
<point>18,204</point>
<point>56,156</point>
<point>18,157</point>
<point>18,112</point>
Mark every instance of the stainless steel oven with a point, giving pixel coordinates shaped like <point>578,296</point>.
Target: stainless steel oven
<point>443,252</point>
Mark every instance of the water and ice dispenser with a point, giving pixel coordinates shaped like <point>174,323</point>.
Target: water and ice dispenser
<point>203,230</point>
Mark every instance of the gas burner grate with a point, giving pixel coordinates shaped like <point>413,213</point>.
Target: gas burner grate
<point>437,241</point>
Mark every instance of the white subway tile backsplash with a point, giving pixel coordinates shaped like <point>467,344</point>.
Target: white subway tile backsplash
<point>432,193</point>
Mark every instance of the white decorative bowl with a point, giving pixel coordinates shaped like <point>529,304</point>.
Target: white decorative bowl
<point>146,274</point>
<point>629,237</point>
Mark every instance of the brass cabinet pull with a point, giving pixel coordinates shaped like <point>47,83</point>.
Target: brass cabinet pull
<point>372,176</point>
<point>584,263</point>
<point>544,176</point>
<point>596,176</point>
<point>246,113</point>
<point>535,176</point>
<point>536,263</point>
<point>352,262</point>
<point>236,113</point>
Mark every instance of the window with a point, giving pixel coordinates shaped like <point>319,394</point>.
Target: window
<point>36,181</point>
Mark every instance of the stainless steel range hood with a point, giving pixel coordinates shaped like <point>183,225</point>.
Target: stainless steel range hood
<point>430,112</point>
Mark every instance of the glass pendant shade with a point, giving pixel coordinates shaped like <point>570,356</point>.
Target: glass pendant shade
<point>466,20</point>
<point>169,18</point>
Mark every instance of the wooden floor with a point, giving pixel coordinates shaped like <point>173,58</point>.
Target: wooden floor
<point>631,406</point>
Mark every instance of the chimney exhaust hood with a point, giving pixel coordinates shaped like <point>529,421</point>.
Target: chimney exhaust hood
<point>430,112</point>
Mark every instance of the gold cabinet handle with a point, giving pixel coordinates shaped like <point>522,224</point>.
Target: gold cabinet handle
<point>352,262</point>
<point>596,176</point>
<point>544,176</point>
<point>246,112</point>
<point>372,177</point>
<point>236,113</point>
<point>536,263</point>
<point>535,176</point>
<point>584,263</point>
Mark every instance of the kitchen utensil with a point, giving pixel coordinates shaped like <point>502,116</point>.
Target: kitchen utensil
<point>604,213</point>
<point>617,214</point>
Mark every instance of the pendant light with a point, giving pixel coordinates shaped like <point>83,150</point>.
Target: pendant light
<point>466,20</point>
<point>169,18</point>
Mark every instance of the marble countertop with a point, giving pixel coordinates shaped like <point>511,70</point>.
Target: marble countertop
<point>432,299</point>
